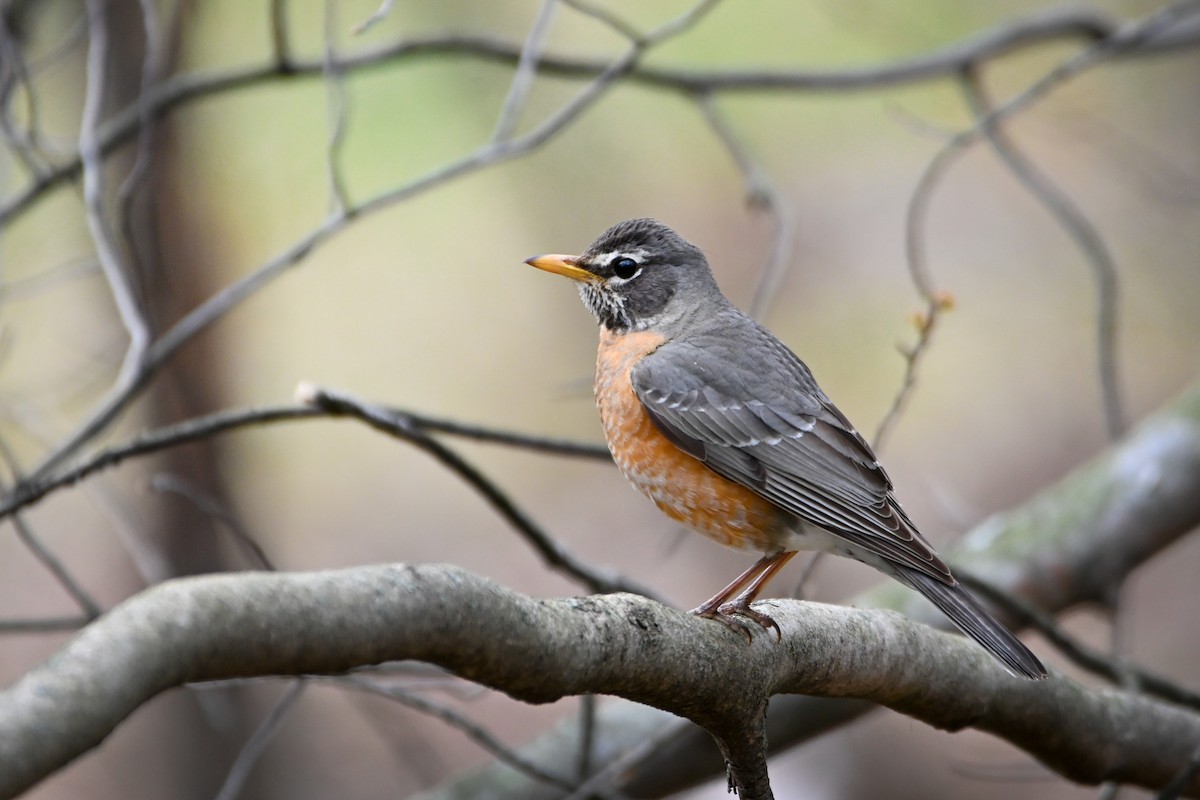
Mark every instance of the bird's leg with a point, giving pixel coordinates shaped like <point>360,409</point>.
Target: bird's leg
<point>746,587</point>
<point>740,605</point>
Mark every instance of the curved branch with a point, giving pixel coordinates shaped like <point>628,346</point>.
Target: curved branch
<point>1036,29</point>
<point>250,624</point>
<point>1059,549</point>
<point>28,491</point>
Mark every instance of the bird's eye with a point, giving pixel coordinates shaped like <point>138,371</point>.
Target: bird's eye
<point>625,268</point>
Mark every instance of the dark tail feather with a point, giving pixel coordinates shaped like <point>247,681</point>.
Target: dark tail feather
<point>974,620</point>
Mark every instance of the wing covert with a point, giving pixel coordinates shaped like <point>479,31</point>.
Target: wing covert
<point>775,432</point>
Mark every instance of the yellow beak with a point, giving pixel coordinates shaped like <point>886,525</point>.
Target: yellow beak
<point>563,265</point>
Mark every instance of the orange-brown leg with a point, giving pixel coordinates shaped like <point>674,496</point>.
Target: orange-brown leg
<point>746,587</point>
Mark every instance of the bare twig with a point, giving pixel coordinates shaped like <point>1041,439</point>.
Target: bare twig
<point>1056,24</point>
<point>1183,779</point>
<point>281,51</point>
<point>91,609</point>
<point>378,16</point>
<point>761,195</point>
<point>15,79</point>
<point>51,278</point>
<point>336,110</point>
<point>471,729</point>
<point>551,550</point>
<point>918,270</point>
<point>253,749</point>
<point>90,155</point>
<point>110,407</point>
<point>208,504</point>
<point>152,67</point>
<point>43,625</point>
<point>601,780</point>
<point>1085,235</point>
<point>28,491</point>
<point>1111,667</point>
<point>587,735</point>
<point>606,16</point>
<point>521,85</point>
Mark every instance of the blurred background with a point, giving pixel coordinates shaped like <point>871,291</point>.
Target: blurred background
<point>425,305</point>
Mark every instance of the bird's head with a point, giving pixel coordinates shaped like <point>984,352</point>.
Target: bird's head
<point>638,274</point>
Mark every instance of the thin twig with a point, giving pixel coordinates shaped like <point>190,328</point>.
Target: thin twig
<point>88,604</point>
<point>1113,669</point>
<point>111,406</point>
<point>1056,24</point>
<point>623,762</point>
<point>29,491</point>
<point>377,17</point>
<point>209,505</point>
<point>44,625</point>
<point>521,85</point>
<point>91,609</point>
<point>607,17</point>
<point>336,111</point>
<point>761,195</point>
<point>1183,779</point>
<point>281,51</point>
<point>253,749</point>
<point>471,729</point>
<point>552,551</point>
<point>152,63</point>
<point>52,278</point>
<point>587,736</point>
<point>935,302</point>
<point>1085,235</point>
<point>91,158</point>
<point>14,77</point>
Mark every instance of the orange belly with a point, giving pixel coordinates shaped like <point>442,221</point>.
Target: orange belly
<point>681,486</point>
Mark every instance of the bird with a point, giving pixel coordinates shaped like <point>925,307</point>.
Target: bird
<point>725,429</point>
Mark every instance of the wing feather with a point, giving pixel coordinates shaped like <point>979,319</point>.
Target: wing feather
<point>769,427</point>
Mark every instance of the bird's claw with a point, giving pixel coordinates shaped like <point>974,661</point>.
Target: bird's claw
<point>728,615</point>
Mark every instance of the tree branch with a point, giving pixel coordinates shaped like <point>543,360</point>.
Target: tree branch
<point>1063,24</point>
<point>1057,550</point>
<point>251,624</point>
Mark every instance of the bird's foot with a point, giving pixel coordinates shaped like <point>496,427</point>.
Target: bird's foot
<point>729,614</point>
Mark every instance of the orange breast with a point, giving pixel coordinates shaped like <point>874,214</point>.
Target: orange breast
<point>681,486</point>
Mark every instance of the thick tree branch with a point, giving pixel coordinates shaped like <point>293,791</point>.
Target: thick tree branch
<point>248,624</point>
<point>1061,548</point>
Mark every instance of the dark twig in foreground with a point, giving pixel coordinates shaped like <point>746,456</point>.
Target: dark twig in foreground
<point>29,491</point>
<point>489,154</point>
<point>550,549</point>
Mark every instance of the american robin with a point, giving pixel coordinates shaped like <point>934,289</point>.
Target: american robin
<point>714,419</point>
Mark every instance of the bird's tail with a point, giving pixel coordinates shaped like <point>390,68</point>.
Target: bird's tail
<point>974,620</point>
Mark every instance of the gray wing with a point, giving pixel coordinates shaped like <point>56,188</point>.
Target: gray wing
<point>744,404</point>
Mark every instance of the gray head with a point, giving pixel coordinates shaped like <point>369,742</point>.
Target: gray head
<point>639,274</point>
